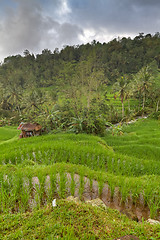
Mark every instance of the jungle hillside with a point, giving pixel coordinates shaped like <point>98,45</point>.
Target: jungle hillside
<point>81,88</point>
<point>94,171</point>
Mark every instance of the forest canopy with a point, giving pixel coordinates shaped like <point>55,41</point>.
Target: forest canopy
<point>75,83</point>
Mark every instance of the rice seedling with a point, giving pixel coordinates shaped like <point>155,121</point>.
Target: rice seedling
<point>24,199</point>
<point>62,184</point>
<point>124,188</point>
<point>115,165</point>
<point>100,185</point>
<point>51,185</point>
<point>96,158</point>
<point>154,206</point>
<point>40,192</point>
<point>8,134</point>
<point>72,186</point>
<point>37,197</point>
<point>81,186</point>
<point>140,140</point>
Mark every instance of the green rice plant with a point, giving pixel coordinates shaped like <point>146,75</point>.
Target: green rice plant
<point>24,195</point>
<point>41,189</point>
<point>24,200</point>
<point>112,186</point>
<point>100,185</point>
<point>4,196</point>
<point>72,187</point>
<point>124,185</point>
<point>81,186</point>
<point>30,188</point>
<point>83,221</point>
<point>62,184</point>
<point>81,149</point>
<point>149,192</point>
<point>135,189</point>
<point>37,200</point>
<point>91,182</point>
<point>152,197</point>
<point>8,134</point>
<point>135,154</point>
<point>140,140</point>
<point>154,206</point>
<point>51,188</point>
<point>15,187</point>
<point>6,203</point>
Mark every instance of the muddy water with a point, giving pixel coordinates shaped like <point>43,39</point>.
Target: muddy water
<point>88,191</point>
<point>135,212</point>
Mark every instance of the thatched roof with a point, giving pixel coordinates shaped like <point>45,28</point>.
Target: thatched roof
<point>30,127</point>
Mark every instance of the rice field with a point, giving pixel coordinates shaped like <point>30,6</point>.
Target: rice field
<point>8,134</point>
<point>140,140</point>
<point>35,170</point>
<point>90,151</point>
<point>30,187</point>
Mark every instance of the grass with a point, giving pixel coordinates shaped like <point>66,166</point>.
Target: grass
<point>81,149</point>
<point>140,140</point>
<point>73,221</point>
<point>129,162</point>
<point>8,134</point>
<point>18,189</point>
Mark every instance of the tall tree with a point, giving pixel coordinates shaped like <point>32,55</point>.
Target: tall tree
<point>120,88</point>
<point>143,80</point>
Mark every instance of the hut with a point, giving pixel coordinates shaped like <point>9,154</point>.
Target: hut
<point>29,129</point>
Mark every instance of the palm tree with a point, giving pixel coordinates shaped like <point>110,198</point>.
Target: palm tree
<point>34,100</point>
<point>129,93</point>
<point>143,80</point>
<point>14,97</point>
<point>155,96</point>
<point>121,87</point>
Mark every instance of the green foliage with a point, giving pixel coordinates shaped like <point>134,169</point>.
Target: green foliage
<point>75,90</point>
<point>117,130</point>
<point>89,151</point>
<point>76,80</point>
<point>140,140</point>
<point>8,133</point>
<point>34,171</point>
<point>65,222</point>
<point>88,125</point>
<point>155,115</point>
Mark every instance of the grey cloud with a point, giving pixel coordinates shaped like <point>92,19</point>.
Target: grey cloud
<point>117,16</point>
<point>39,24</point>
<point>26,27</point>
<point>69,32</point>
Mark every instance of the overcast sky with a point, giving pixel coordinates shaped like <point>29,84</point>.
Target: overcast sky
<point>39,24</point>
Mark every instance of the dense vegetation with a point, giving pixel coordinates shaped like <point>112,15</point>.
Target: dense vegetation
<point>85,90</point>
<point>24,160</point>
<point>80,88</point>
<point>73,221</point>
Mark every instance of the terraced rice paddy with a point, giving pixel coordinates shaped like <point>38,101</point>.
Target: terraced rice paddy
<point>140,140</point>
<point>123,171</point>
<point>8,134</point>
<point>129,168</point>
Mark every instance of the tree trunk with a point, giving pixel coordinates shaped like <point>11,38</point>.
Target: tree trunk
<point>122,110</point>
<point>157,106</point>
<point>143,101</point>
<point>19,109</point>
<point>88,102</point>
<point>129,105</point>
